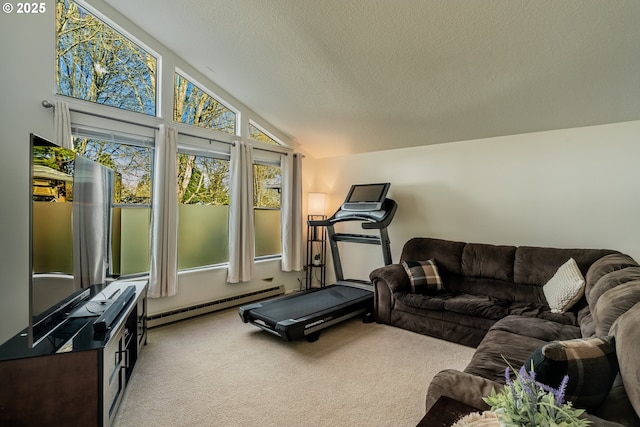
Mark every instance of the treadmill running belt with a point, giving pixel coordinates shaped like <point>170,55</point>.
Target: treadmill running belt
<point>310,303</point>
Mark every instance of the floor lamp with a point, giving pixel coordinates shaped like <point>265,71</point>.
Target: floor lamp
<point>316,238</point>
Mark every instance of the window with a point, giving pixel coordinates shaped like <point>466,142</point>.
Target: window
<point>194,106</point>
<point>260,135</point>
<point>96,63</point>
<point>203,209</point>
<point>267,184</point>
<point>131,159</point>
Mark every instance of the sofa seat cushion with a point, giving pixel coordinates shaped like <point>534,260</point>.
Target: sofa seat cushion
<point>471,305</point>
<point>499,349</point>
<point>419,301</point>
<point>538,328</point>
<point>478,306</point>
<point>514,339</point>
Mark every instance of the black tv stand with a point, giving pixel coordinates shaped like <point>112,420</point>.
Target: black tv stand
<point>75,375</point>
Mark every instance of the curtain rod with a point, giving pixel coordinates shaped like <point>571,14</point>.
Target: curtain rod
<point>47,104</point>
<point>232,143</point>
<point>205,138</point>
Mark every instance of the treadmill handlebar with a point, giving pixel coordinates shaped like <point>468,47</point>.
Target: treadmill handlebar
<point>370,220</point>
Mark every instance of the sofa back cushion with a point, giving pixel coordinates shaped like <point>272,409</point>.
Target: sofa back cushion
<point>612,286</point>
<point>536,265</point>
<point>613,303</point>
<point>604,273</point>
<point>446,254</point>
<point>488,261</point>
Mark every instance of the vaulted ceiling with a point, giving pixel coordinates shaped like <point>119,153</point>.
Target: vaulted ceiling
<point>352,76</point>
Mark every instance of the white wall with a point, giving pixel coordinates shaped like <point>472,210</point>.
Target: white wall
<point>27,79</point>
<point>566,188</point>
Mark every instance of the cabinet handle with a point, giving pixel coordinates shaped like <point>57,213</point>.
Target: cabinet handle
<point>126,359</point>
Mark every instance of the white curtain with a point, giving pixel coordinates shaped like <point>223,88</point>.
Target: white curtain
<point>163,278</point>
<point>291,212</point>
<point>241,221</point>
<point>92,203</point>
<point>62,124</point>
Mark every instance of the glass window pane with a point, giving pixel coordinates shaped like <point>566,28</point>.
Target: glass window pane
<point>203,235</point>
<point>260,135</point>
<point>96,63</point>
<point>133,250</point>
<point>132,200</point>
<point>267,239</point>
<point>203,211</point>
<point>266,187</point>
<point>194,106</point>
<point>52,246</point>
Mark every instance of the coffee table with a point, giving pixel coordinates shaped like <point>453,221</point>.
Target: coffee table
<point>445,412</point>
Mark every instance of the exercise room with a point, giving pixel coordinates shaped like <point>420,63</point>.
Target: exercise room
<point>320,213</point>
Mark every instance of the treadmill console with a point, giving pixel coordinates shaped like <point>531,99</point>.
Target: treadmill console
<point>365,197</point>
<point>376,215</point>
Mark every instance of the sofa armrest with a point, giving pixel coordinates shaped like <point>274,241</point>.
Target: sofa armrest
<point>393,276</point>
<point>387,280</point>
<point>463,387</point>
<point>470,389</point>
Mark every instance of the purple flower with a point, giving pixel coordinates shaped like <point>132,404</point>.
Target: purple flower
<point>559,394</point>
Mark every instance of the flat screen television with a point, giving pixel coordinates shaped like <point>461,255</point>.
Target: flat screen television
<point>70,234</point>
<point>366,197</point>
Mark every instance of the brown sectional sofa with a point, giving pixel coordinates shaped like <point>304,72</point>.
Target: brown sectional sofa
<point>493,300</point>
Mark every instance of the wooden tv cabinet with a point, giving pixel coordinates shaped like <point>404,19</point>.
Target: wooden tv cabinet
<point>76,376</point>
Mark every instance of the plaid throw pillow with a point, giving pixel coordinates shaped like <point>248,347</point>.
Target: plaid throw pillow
<point>423,276</point>
<point>590,363</point>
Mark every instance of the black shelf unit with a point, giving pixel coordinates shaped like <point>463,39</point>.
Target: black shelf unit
<point>316,253</point>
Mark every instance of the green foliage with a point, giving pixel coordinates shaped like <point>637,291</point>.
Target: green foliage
<point>526,402</point>
<point>202,180</point>
<point>266,186</point>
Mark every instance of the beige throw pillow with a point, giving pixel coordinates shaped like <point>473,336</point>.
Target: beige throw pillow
<point>565,288</point>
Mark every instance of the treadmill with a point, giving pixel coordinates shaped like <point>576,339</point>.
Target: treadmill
<point>305,314</point>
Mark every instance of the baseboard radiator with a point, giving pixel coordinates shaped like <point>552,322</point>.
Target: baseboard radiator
<point>211,306</point>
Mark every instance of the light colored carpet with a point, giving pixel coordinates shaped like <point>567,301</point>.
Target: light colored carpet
<point>216,370</point>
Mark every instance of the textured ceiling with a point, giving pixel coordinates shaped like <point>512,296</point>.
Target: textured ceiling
<point>351,76</point>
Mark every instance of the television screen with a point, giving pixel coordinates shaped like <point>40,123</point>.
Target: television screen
<point>70,234</point>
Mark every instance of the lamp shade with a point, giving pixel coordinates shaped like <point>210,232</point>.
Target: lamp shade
<point>317,202</point>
